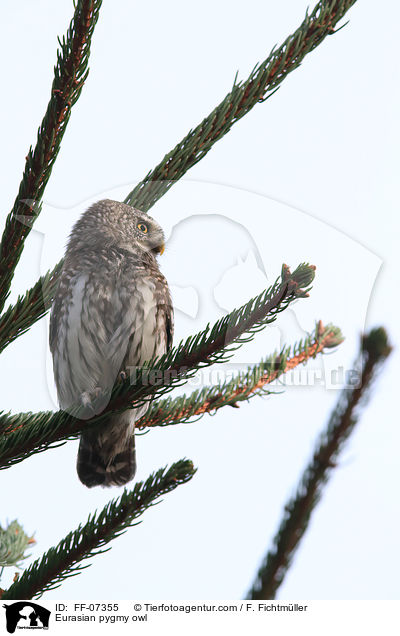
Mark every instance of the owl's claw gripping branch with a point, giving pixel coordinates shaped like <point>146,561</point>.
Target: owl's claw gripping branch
<point>90,398</point>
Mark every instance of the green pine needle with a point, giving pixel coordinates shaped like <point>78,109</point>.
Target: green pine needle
<point>65,560</point>
<point>13,544</point>
<point>29,308</point>
<point>262,82</point>
<point>216,344</point>
<point>243,386</point>
<point>37,432</point>
<point>70,74</point>
<point>375,348</point>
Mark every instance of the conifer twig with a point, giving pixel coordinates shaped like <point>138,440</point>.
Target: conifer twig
<point>65,560</point>
<point>244,385</point>
<point>262,82</point>
<point>70,74</point>
<point>28,309</point>
<point>13,543</point>
<point>216,345</point>
<point>36,432</point>
<point>169,411</point>
<point>297,512</point>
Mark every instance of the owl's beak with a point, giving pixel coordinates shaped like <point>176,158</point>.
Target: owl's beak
<point>161,249</point>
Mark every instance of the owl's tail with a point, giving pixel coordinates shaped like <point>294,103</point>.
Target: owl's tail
<point>106,457</point>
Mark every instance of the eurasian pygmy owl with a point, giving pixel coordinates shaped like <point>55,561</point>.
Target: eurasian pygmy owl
<point>112,310</point>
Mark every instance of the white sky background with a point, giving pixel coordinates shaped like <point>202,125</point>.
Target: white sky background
<point>310,175</point>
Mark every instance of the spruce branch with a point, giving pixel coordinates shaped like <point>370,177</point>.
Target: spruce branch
<point>216,344</point>
<point>13,543</point>
<point>65,560</point>
<point>262,82</point>
<point>244,385</point>
<point>29,308</point>
<point>36,432</point>
<point>70,74</point>
<point>375,349</point>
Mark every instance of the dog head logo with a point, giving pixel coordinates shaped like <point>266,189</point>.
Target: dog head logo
<point>26,615</point>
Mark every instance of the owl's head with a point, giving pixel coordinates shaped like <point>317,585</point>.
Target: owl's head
<point>110,223</point>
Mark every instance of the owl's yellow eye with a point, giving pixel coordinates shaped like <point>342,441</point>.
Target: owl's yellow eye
<point>143,228</point>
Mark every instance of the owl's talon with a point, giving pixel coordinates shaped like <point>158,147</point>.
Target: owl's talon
<point>86,401</point>
<point>88,397</point>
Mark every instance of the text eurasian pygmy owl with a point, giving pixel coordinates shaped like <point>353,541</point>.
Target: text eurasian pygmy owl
<point>112,310</point>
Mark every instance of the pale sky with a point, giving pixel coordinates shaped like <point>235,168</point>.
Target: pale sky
<point>310,175</point>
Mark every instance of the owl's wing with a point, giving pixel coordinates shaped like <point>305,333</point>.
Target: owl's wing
<point>79,332</point>
<point>101,325</point>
